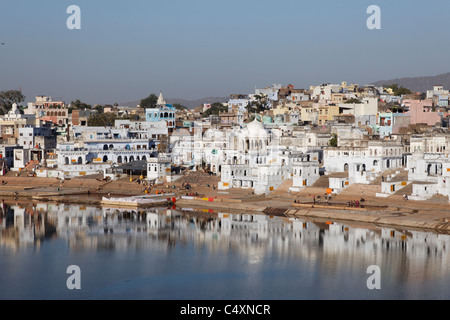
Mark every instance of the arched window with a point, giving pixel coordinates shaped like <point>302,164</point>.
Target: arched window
<point>105,158</point>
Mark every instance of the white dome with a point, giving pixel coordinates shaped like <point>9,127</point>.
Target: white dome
<point>256,128</point>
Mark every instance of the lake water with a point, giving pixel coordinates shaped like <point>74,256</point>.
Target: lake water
<point>184,254</point>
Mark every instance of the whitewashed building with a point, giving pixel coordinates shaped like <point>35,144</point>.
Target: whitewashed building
<point>88,157</point>
<point>429,174</point>
<point>159,168</point>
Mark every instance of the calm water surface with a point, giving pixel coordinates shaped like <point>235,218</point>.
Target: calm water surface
<point>184,254</point>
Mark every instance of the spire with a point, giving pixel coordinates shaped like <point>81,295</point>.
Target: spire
<point>14,110</point>
<point>161,100</point>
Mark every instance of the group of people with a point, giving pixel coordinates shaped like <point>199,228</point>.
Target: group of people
<point>352,203</point>
<point>186,185</point>
<point>139,181</point>
<point>356,203</point>
<point>326,197</point>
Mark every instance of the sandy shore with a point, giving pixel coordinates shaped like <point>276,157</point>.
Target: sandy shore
<point>392,211</point>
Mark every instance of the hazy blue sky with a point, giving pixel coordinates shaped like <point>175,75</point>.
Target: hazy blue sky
<point>199,48</point>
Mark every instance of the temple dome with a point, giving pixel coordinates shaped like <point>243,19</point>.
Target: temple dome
<point>256,128</point>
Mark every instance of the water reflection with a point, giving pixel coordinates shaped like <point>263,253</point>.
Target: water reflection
<point>329,247</point>
<point>25,225</point>
<point>22,225</point>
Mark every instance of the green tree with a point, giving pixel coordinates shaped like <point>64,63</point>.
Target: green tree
<point>398,91</point>
<point>107,119</point>
<point>99,108</point>
<point>215,109</point>
<point>353,100</point>
<point>333,141</point>
<point>78,105</point>
<point>102,119</point>
<point>149,102</point>
<point>8,98</point>
<point>259,104</point>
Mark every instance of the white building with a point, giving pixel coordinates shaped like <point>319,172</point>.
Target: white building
<point>323,92</point>
<point>238,104</point>
<point>93,156</point>
<point>364,163</point>
<point>437,91</point>
<point>429,174</point>
<point>304,172</point>
<point>159,168</point>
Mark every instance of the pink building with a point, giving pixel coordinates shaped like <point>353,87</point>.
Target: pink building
<point>423,111</point>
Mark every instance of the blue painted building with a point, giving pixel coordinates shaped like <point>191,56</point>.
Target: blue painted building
<point>162,112</point>
<point>390,123</point>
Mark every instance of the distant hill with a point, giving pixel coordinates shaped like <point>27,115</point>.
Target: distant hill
<point>190,104</point>
<point>419,84</point>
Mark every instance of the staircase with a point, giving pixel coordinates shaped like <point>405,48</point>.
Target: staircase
<point>32,164</point>
<point>284,187</point>
<point>323,182</point>
<point>384,174</point>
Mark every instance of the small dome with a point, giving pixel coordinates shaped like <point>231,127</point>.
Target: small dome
<point>255,127</point>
